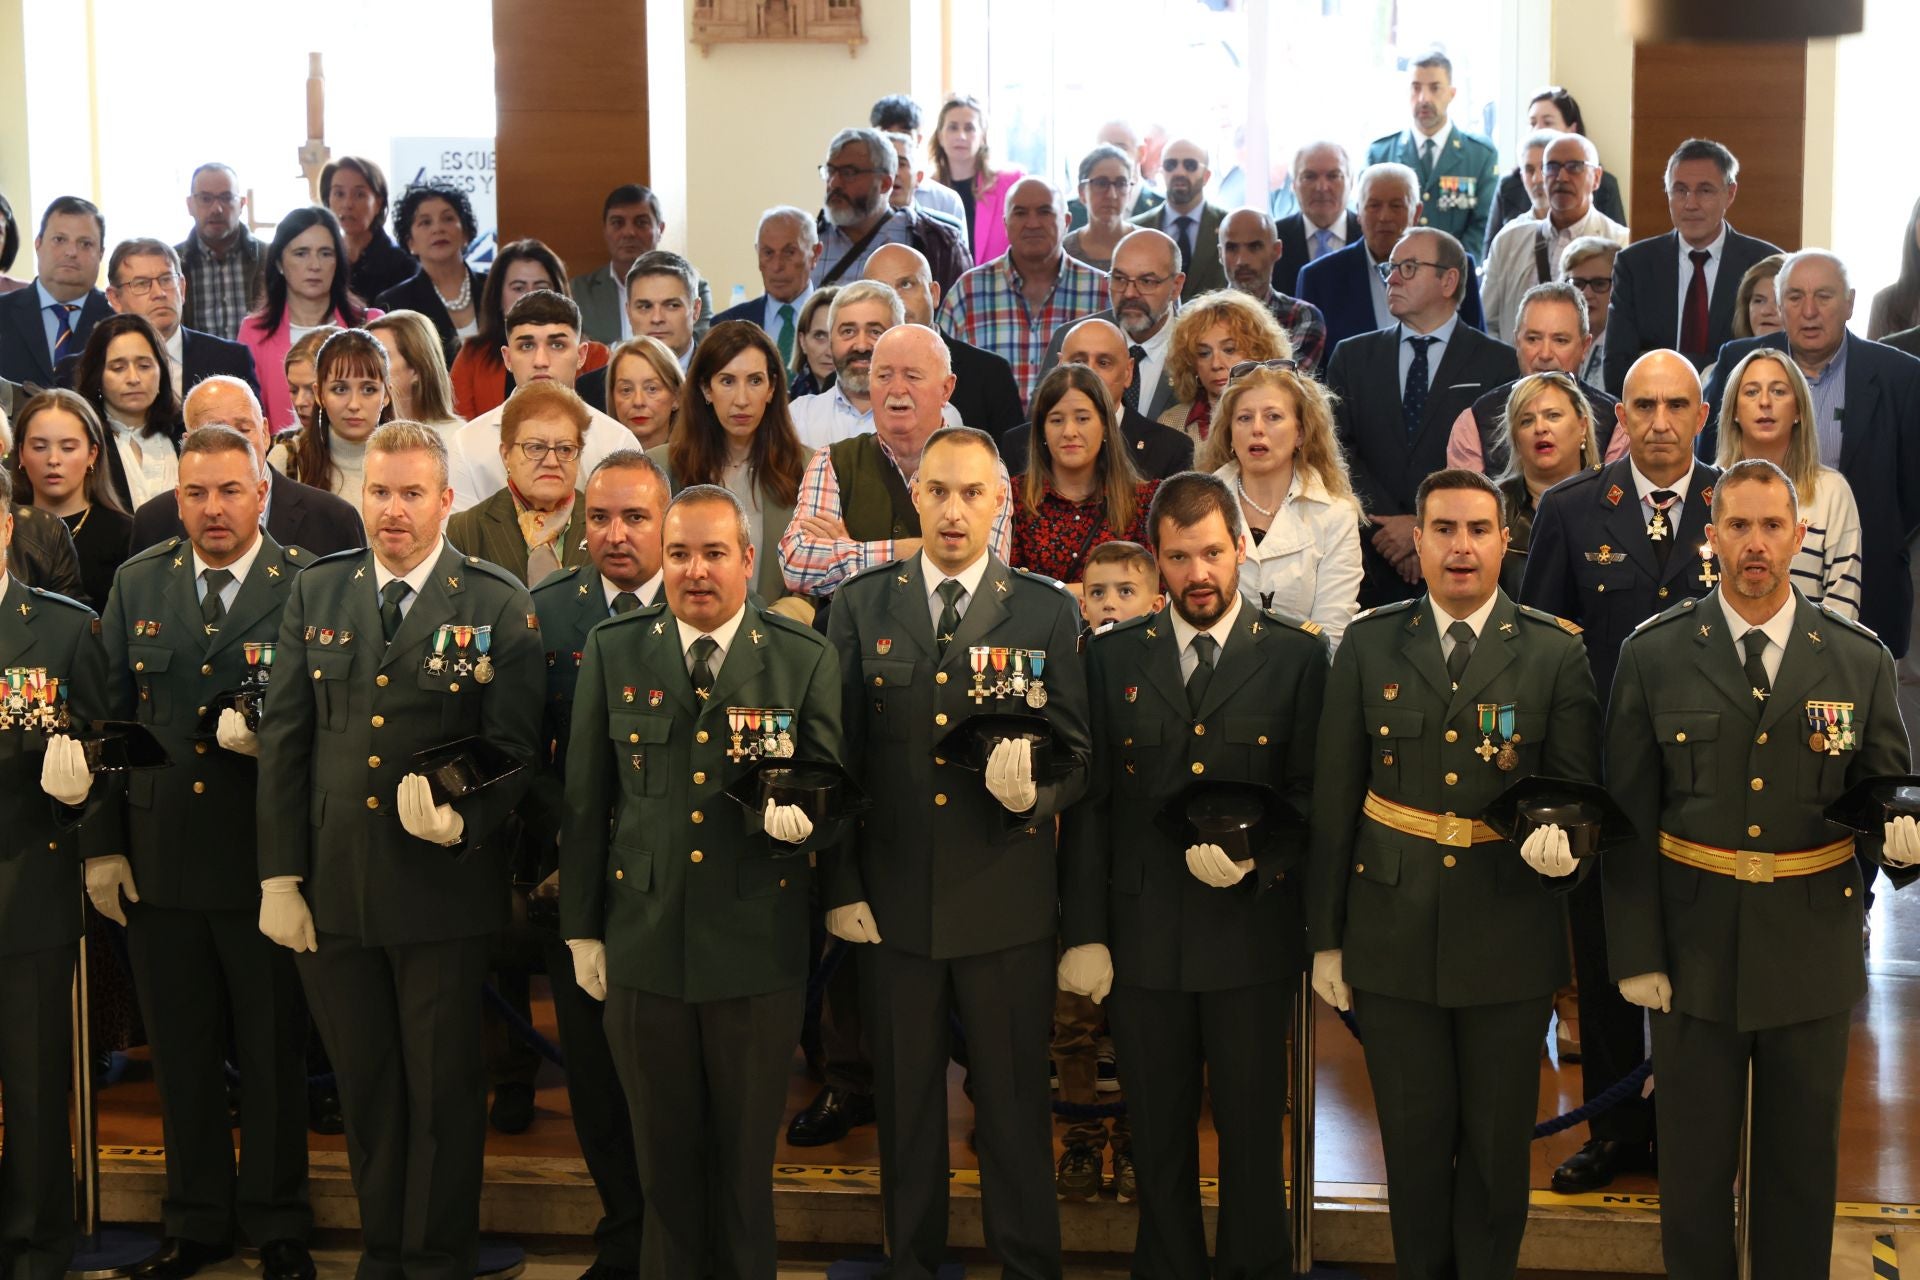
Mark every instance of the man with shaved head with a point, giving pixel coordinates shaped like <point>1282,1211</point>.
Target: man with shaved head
<point>1187,218</point>
<point>1249,249</point>
<point>1324,225</point>
<point>1013,304</point>
<point>297,515</point>
<point>1157,450</point>
<point>984,392</point>
<point>1143,292</point>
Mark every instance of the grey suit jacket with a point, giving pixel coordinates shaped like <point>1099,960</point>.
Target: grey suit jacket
<point>1204,272</point>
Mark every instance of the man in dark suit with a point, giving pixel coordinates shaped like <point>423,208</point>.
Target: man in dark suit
<point>1346,284</point>
<point>631,223</point>
<point>1324,224</point>
<point>786,247</point>
<point>1397,399</point>
<point>951,885</point>
<point>1676,291</point>
<point>1610,549</point>
<point>404,891</point>
<point>1143,292</point>
<point>144,279</point>
<point>43,325</point>
<point>1187,218</point>
<point>1458,171</point>
<point>984,391</point>
<point>1550,336</point>
<point>1202,945</point>
<point>186,621</point>
<point>1907,340</point>
<point>298,515</point>
<point>1157,450</point>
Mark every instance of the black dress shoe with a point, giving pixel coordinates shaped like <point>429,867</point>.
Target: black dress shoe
<point>828,1117</point>
<point>512,1108</point>
<point>323,1111</point>
<point>601,1271</point>
<point>285,1260</point>
<point>179,1258</point>
<point>1599,1163</point>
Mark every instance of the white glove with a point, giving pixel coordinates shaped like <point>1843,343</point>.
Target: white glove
<point>1010,775</point>
<point>854,922</point>
<point>1546,850</point>
<point>63,771</point>
<point>590,965</point>
<point>1211,866</point>
<point>1328,983</point>
<point>284,916</point>
<point>107,878</point>
<point>1649,991</point>
<point>787,822</point>
<point>232,733</point>
<point>423,819</point>
<point>1087,970</point>
<point>1902,847</point>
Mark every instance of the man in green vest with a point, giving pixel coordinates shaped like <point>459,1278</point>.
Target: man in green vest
<point>1735,914</point>
<point>1441,936</point>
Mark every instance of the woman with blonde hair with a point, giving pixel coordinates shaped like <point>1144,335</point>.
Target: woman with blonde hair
<point>1550,436</point>
<point>643,389</point>
<point>1080,488</point>
<point>1211,335</point>
<point>1767,412</point>
<point>1275,449</point>
<point>416,369</point>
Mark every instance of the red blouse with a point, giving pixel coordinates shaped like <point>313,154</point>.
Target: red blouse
<point>1057,539</point>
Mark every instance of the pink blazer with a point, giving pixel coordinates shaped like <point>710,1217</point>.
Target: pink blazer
<point>270,364</point>
<point>990,217</point>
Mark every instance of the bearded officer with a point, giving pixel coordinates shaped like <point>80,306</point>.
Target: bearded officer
<point>1735,915</point>
<point>1438,934</point>
<point>386,897</point>
<point>187,620</point>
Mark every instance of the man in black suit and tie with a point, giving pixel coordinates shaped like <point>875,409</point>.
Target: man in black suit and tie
<point>1676,291</point>
<point>984,392</point>
<point>786,247</point>
<point>297,515</point>
<point>1187,218</point>
<point>1158,451</point>
<point>1399,390</point>
<point>144,278</point>
<point>1324,224</point>
<point>43,325</point>
<point>1144,290</point>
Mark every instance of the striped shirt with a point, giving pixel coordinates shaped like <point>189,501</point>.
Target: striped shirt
<point>1827,566</point>
<point>987,308</point>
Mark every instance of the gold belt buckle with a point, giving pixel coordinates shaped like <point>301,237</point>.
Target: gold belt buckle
<point>1751,867</point>
<point>1457,833</point>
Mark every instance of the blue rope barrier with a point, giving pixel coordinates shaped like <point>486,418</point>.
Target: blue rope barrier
<point>522,1028</point>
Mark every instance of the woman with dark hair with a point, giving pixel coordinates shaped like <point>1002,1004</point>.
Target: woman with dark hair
<point>734,431</point>
<point>9,248</point>
<point>57,467</point>
<point>1108,180</point>
<point>1551,108</point>
<point>123,376</point>
<point>479,375</point>
<point>1080,488</point>
<point>1895,307</point>
<point>306,287</point>
<point>355,190</point>
<point>355,395</point>
<point>436,224</point>
<point>959,152</point>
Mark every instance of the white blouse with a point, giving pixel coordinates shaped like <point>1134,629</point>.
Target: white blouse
<point>152,466</point>
<point>1307,564</point>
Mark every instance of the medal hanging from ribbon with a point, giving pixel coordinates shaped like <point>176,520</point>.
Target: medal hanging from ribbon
<point>1489,712</point>
<point>737,726</point>
<point>437,660</point>
<point>783,725</point>
<point>977,659</point>
<point>462,640</point>
<point>1508,759</point>
<point>1036,690</point>
<point>482,642</point>
<point>999,657</point>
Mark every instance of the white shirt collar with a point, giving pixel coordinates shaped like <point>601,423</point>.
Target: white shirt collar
<point>418,577</point>
<point>1157,344</point>
<point>645,592</point>
<point>1477,619</point>
<point>721,635</point>
<point>1439,139</point>
<point>1716,249</point>
<point>1221,630</point>
<point>968,577</point>
<point>1778,629</point>
<point>1444,332</point>
<point>239,568</point>
<point>1643,486</point>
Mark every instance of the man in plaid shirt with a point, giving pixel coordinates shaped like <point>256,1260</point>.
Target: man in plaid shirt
<point>222,260</point>
<point>1249,247</point>
<point>1013,304</point>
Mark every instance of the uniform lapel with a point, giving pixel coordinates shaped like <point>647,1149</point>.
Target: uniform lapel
<point>984,612</point>
<point>443,589</point>
<point>907,606</point>
<point>1420,646</point>
<point>1241,657</point>
<point>742,664</point>
<point>1492,653</point>
<point>668,660</point>
<point>1719,654</point>
<point>1163,659</point>
<point>1803,667</point>
<point>1626,531</point>
<point>16,618</point>
<point>182,598</point>
<point>1692,533</point>
<point>262,591</point>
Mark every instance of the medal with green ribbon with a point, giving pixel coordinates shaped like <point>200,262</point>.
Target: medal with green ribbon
<point>1486,750</point>
<point>437,660</point>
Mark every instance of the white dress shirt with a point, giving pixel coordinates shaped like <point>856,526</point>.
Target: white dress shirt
<point>1221,631</point>
<point>176,349</point>
<point>1436,352</point>
<point>645,593</point>
<point>1778,630</point>
<point>1718,251</point>
<point>1512,265</point>
<point>1154,365</point>
<point>1307,564</point>
<point>829,417</point>
<point>1643,486</point>
<point>1477,620</point>
<point>152,466</point>
<point>968,578</point>
<point>240,568</point>
<point>417,577</point>
<point>721,635</point>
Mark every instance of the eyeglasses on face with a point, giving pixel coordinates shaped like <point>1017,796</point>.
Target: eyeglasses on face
<point>1119,284</point>
<point>141,286</point>
<point>1601,285</point>
<point>1407,268</point>
<point>847,172</point>
<point>1246,367</point>
<point>1572,168</point>
<point>537,451</point>
<point>1106,186</point>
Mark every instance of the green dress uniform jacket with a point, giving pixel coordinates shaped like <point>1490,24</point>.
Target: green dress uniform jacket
<point>491,530</point>
<point>657,860</point>
<point>1125,880</point>
<point>166,669</point>
<point>1459,196</point>
<point>337,737</point>
<point>1417,920</point>
<point>1691,752</point>
<point>946,869</point>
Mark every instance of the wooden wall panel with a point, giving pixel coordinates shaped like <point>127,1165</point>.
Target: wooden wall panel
<point>1752,98</point>
<point>570,83</point>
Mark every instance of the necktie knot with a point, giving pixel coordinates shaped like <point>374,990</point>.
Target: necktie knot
<point>703,649</point>
<point>1699,257</point>
<point>1756,642</point>
<point>701,653</point>
<point>1662,497</point>
<point>216,579</point>
<point>212,607</point>
<point>1462,636</point>
<point>391,596</point>
<point>949,592</point>
<point>1322,241</point>
<point>1204,648</point>
<point>625,602</point>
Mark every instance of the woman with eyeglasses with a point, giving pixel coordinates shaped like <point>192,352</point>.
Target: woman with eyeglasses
<point>1550,436</point>
<point>1212,334</point>
<point>1108,180</point>
<point>1080,488</point>
<point>1551,108</point>
<point>959,151</point>
<point>536,525</point>
<point>1587,265</point>
<point>353,395</point>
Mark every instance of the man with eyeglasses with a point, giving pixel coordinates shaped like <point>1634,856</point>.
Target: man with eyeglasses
<point>1676,291</point>
<point>786,247</point>
<point>145,278</point>
<point>1458,171</point>
<point>1143,293</point>
<point>1187,218</point>
<point>857,214</point>
<point>1527,250</point>
<point>1587,265</point>
<point>1249,248</point>
<point>1398,391</point>
<point>223,261</point>
<point>43,325</point>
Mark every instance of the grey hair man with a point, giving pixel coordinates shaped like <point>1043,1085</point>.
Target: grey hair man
<point>857,215</point>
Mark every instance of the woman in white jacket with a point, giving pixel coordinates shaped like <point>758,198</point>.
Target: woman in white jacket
<point>1273,444</point>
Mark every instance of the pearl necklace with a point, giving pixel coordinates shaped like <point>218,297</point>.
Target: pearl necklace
<point>1265,511</point>
<point>460,301</point>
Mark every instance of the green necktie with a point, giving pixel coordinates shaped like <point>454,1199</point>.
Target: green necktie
<point>213,609</point>
<point>785,337</point>
<point>1205,649</point>
<point>701,651</point>
<point>949,593</point>
<point>625,602</point>
<point>1462,636</point>
<point>390,597</point>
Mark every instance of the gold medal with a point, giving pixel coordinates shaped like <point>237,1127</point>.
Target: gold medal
<point>483,670</point>
<point>1818,741</point>
<point>1508,760</point>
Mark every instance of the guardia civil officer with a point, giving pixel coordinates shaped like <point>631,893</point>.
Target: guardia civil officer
<point>188,620</point>
<point>951,882</point>
<point>1203,947</point>
<point>687,911</point>
<point>1447,941</point>
<point>54,677</point>
<point>1735,914</point>
<point>387,897</point>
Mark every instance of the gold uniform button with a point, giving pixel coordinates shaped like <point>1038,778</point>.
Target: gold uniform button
<point>1680,736</point>
<point>316,674</point>
<point>1199,731</point>
<point>1601,587</point>
<point>696,856</point>
<point>373,802</point>
<point>1261,740</point>
<point>1383,731</point>
<point>199,788</point>
<point>1758,784</point>
<point>1126,742</point>
<point>698,816</point>
<point>1452,779</point>
<point>1359,867</point>
<point>1760,741</point>
<point>206,668</point>
<point>939,759</point>
<point>619,875</point>
<point>879,680</point>
<point>1198,767</point>
<point>373,762</point>
<point>53,844</point>
<point>1849,891</point>
<point>1453,735</point>
<point>141,666</point>
<point>379,722</point>
<point>381,681</point>
<point>940,798</point>
<point>199,748</point>
<point>453,686</point>
<point>700,736</point>
<point>1449,861</point>
<point>783,884</point>
<point>940,718</point>
<point>1663,593</point>
<point>699,778</point>
<point>940,677</point>
<point>199,712</point>
<point>1754,830</point>
<point>633,737</point>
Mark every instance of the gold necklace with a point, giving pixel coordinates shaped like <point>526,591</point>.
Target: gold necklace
<point>85,515</point>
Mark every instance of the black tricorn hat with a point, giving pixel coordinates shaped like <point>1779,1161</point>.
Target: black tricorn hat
<point>462,767</point>
<point>246,701</point>
<point>969,743</point>
<point>827,794</point>
<point>1870,803</point>
<point>1592,819</point>
<point>118,746</point>
<point>1237,816</point>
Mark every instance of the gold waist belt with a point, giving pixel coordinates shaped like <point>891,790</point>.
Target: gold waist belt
<point>1441,828</point>
<point>1753,867</point>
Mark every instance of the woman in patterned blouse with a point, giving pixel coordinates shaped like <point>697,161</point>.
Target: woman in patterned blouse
<point>1080,488</point>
